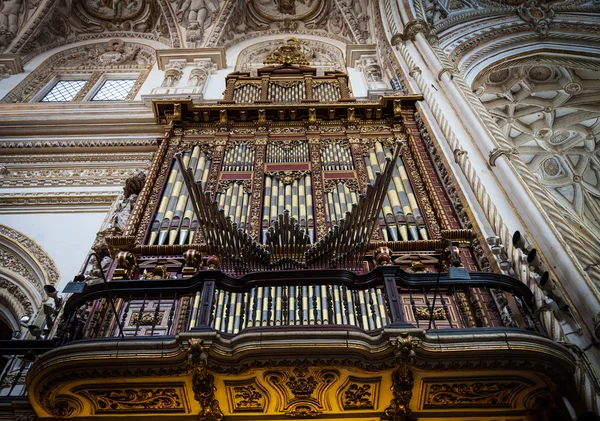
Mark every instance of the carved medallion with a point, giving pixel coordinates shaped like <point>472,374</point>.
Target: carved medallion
<point>302,391</point>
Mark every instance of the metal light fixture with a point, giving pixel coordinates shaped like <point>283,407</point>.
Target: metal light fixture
<point>455,272</point>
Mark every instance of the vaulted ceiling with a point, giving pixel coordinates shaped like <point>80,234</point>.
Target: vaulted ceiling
<point>550,114</point>
<point>31,27</point>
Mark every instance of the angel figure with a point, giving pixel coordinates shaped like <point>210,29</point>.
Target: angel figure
<point>201,12</point>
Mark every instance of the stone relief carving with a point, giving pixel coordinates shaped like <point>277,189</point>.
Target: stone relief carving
<point>357,14</point>
<point>114,55</point>
<point>197,16</point>
<point>538,13</point>
<point>69,22</point>
<point>245,20</point>
<point>547,112</point>
<point>34,249</point>
<point>173,72</point>
<point>199,74</point>
<point>10,11</point>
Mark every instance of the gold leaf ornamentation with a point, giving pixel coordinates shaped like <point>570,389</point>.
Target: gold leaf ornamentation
<point>358,396</point>
<point>288,53</point>
<point>424,313</point>
<point>480,394</point>
<point>129,400</point>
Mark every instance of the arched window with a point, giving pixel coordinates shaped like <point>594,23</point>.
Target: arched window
<point>108,71</point>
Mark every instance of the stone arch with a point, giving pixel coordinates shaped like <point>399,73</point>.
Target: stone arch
<point>25,268</point>
<point>114,56</point>
<point>322,55</point>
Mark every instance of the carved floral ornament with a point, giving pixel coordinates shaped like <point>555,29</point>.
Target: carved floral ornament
<point>135,399</point>
<point>469,394</point>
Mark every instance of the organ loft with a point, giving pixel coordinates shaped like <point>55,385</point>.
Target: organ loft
<point>294,253</point>
<point>292,249</point>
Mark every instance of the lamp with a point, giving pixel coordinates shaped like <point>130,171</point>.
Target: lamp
<point>53,293</point>
<point>78,286</point>
<point>33,329</point>
<point>455,271</point>
<point>520,242</point>
<point>553,291</point>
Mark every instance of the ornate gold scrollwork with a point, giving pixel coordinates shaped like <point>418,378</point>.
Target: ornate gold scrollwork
<point>358,396</point>
<point>128,400</point>
<point>402,380</point>
<point>288,53</point>
<point>287,177</point>
<point>64,407</point>
<point>203,382</point>
<point>350,183</point>
<point>478,394</point>
<point>302,391</point>
<point>424,313</point>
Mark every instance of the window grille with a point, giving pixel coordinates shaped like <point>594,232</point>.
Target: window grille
<point>114,90</point>
<point>64,91</point>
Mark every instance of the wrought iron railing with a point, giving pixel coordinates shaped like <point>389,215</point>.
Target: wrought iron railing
<point>324,299</point>
<point>16,357</point>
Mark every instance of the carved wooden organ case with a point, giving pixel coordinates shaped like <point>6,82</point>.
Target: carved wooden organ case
<point>291,147</point>
<point>314,183</point>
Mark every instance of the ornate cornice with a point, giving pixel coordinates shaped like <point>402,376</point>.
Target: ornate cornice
<point>95,201</point>
<point>204,358</point>
<point>56,144</point>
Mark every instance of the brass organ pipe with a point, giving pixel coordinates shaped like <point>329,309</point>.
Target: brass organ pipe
<point>195,308</point>
<point>181,201</point>
<point>231,315</point>
<point>294,210</point>
<point>189,224</point>
<point>280,200</point>
<point>302,202</point>
<point>408,210</point>
<point>162,208</point>
<point>309,208</point>
<point>411,198</point>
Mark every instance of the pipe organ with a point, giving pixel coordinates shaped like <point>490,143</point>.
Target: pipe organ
<point>401,216</point>
<point>299,305</point>
<point>174,221</point>
<point>289,172</point>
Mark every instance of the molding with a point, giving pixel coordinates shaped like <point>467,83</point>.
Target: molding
<point>56,144</point>
<point>355,51</point>
<point>216,55</point>
<point>10,64</point>
<point>96,201</point>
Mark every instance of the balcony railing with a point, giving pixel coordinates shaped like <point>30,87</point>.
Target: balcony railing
<point>16,357</point>
<point>324,299</point>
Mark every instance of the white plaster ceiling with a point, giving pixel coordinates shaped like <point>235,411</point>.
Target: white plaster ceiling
<point>551,115</point>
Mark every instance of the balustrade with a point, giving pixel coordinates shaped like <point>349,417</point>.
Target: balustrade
<point>325,299</point>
